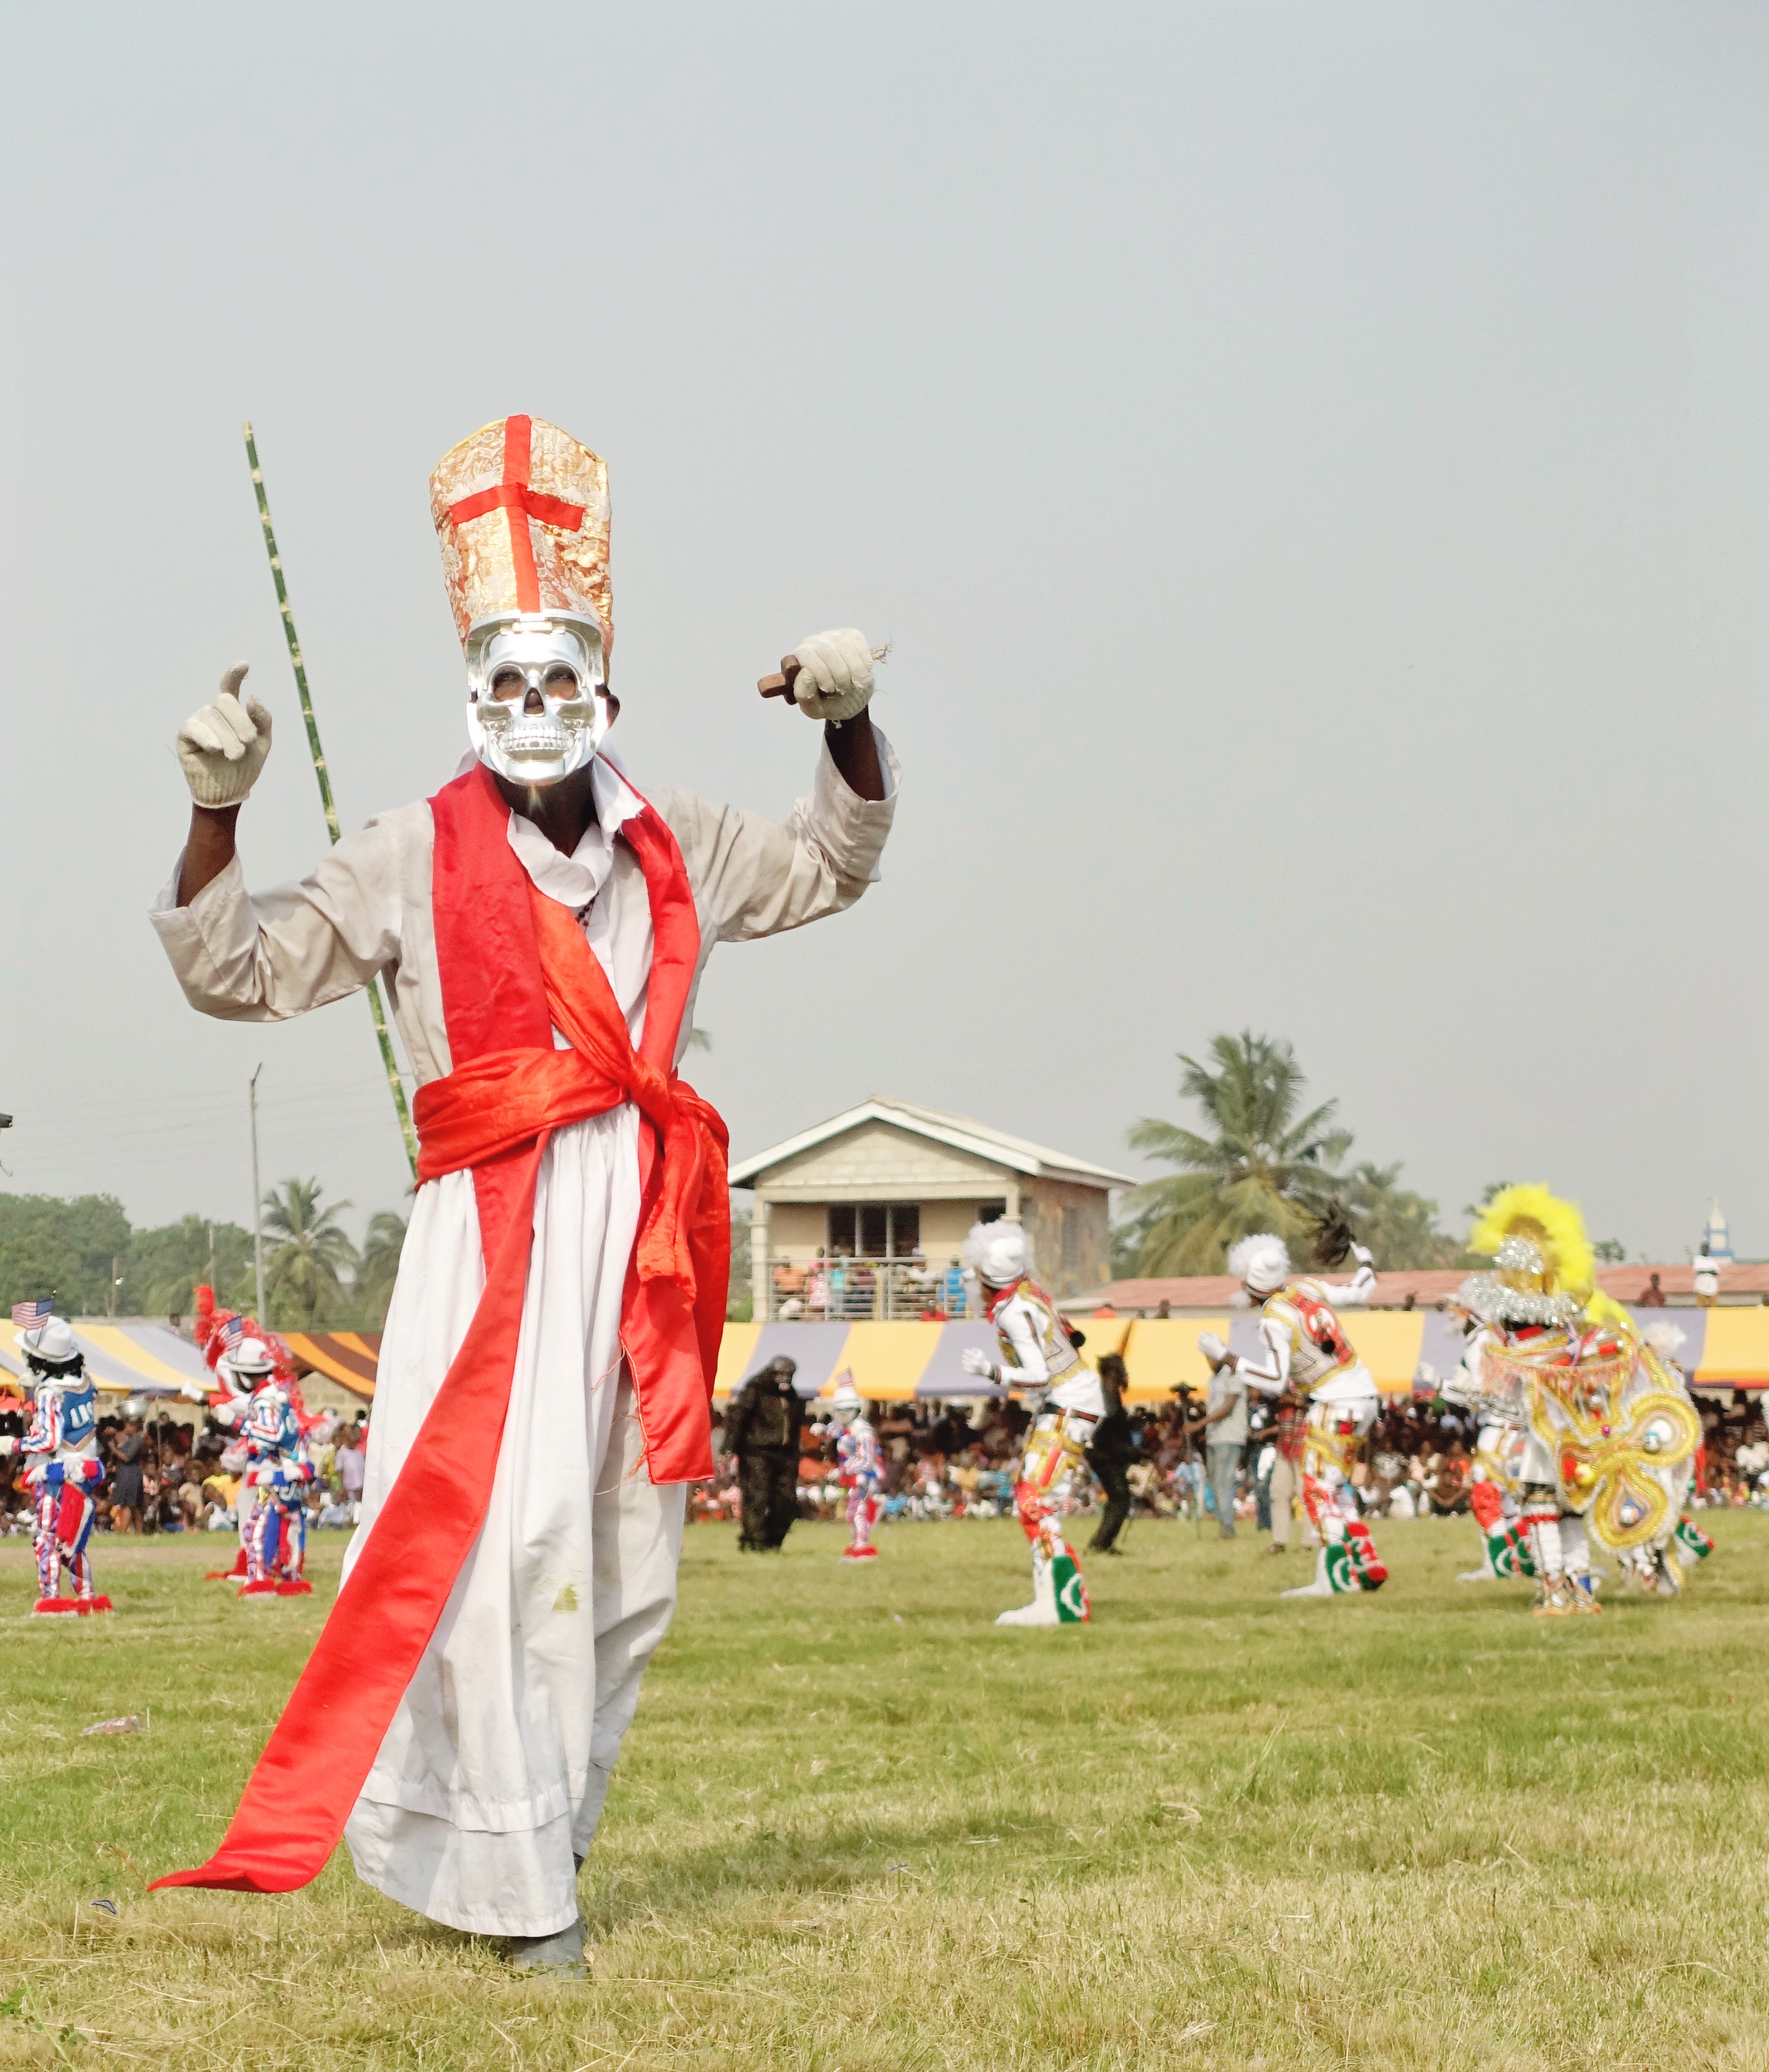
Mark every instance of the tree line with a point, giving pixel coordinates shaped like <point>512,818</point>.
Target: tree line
<point>86,1254</point>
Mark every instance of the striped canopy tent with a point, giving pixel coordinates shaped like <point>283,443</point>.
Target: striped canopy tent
<point>348,1358</point>
<point>129,1359</point>
<point>1404,1349</point>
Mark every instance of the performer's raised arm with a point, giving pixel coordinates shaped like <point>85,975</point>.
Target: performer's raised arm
<point>243,957</point>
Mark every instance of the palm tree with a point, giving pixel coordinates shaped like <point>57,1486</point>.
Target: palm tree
<point>1264,1167</point>
<point>303,1276</point>
<point>1400,1227</point>
<point>379,1264</point>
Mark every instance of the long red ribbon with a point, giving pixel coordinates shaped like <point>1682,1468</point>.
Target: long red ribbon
<point>495,1113</point>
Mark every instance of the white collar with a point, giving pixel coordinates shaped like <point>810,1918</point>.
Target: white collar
<point>575,880</point>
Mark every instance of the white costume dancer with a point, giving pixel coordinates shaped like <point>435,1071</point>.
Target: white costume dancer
<point>553,986</point>
<point>1038,1362</point>
<point>860,1468</point>
<point>1494,1480</point>
<point>1302,1347</point>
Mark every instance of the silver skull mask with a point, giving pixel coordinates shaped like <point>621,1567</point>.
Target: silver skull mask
<point>558,657</point>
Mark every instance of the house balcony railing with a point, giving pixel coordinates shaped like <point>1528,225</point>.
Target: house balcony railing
<point>858,1291</point>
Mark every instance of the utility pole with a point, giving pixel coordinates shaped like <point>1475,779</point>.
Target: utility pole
<point>258,1203</point>
<point>113,1310</point>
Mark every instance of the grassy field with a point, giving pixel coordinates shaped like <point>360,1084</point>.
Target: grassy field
<point>858,1828</point>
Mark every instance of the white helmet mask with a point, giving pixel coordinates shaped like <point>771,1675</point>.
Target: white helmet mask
<point>522,660</point>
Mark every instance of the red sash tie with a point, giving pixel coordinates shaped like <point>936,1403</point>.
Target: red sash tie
<point>514,965</point>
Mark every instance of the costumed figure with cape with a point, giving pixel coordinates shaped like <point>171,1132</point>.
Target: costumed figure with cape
<point>545,1381</point>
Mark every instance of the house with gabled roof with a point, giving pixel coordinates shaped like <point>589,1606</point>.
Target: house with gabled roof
<point>884,1193</point>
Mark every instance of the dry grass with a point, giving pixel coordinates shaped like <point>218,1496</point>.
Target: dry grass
<point>858,1828</point>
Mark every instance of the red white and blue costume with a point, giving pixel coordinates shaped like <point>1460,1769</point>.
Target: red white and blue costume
<point>860,1470</point>
<point>279,1472</point>
<point>65,1473</point>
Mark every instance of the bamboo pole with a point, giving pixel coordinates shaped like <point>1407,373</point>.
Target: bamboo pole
<point>312,724</point>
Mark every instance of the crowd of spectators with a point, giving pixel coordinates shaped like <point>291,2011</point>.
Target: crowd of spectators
<point>954,1461</point>
<point>837,1287</point>
<point>163,1474</point>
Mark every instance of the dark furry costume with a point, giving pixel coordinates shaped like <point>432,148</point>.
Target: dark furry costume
<point>762,1431</point>
<point>1109,1456</point>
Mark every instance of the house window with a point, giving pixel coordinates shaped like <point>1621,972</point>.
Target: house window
<point>875,1230</point>
<point>990,1212</point>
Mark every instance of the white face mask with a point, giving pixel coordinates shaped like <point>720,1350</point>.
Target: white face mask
<point>524,659</point>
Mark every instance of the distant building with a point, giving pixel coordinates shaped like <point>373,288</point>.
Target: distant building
<point>879,1198</point>
<point>1716,1242</point>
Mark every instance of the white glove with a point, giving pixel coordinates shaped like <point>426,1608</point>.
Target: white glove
<point>835,673</point>
<point>1362,1254</point>
<point>1212,1348</point>
<point>7,1447</point>
<point>222,746</point>
<point>974,1360</point>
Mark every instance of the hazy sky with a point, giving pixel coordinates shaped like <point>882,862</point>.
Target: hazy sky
<point>1312,460</point>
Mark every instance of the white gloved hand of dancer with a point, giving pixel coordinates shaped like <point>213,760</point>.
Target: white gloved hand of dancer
<point>835,673</point>
<point>1212,1348</point>
<point>975,1361</point>
<point>1362,1254</point>
<point>222,746</point>
<point>8,1446</point>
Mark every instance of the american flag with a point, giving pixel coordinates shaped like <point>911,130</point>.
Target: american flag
<point>28,1316</point>
<point>231,1332</point>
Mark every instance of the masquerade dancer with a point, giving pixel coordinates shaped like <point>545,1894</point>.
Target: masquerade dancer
<point>65,1473</point>
<point>1303,1348</point>
<point>546,1368</point>
<point>1039,1361</point>
<point>762,1429</point>
<point>1610,1429</point>
<point>1502,1420</point>
<point>860,1466</point>
<point>279,1472</point>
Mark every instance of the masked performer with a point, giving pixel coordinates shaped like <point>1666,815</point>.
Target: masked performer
<point>1303,1348</point>
<point>860,1467</point>
<point>65,1473</point>
<point>1610,1431</point>
<point>1039,1361</point>
<point>544,1376</point>
<point>762,1430</point>
<point>279,1472</point>
<point>1494,1479</point>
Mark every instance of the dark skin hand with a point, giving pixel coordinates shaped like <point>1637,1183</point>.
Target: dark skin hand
<point>562,811</point>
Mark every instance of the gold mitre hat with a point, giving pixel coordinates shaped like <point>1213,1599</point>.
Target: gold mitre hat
<point>521,511</point>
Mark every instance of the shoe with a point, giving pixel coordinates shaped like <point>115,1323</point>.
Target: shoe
<point>859,1554</point>
<point>1319,1587</point>
<point>1476,1576</point>
<point>84,1605</point>
<point>1278,1546</point>
<point>559,1955</point>
<point>297,1587</point>
<point>47,1607</point>
<point>1041,1611</point>
<point>264,1588</point>
<point>1555,1601</point>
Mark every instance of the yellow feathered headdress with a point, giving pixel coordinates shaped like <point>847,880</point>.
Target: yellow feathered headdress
<point>1553,1227</point>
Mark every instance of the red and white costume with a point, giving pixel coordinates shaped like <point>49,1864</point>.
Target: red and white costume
<point>1038,1360</point>
<point>1302,1347</point>
<point>545,1377</point>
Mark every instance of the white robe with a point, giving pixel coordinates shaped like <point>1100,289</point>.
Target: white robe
<point>493,1773</point>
